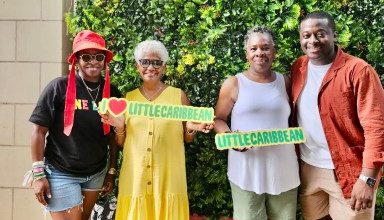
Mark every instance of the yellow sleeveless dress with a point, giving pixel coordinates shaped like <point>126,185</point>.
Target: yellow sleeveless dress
<point>152,182</point>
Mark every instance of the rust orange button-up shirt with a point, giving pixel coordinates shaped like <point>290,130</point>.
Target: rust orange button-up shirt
<point>351,106</point>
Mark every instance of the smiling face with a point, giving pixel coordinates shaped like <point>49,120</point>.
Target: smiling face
<point>260,52</point>
<point>91,70</point>
<point>317,40</point>
<point>150,74</point>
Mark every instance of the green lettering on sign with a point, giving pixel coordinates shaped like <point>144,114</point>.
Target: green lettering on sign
<point>260,138</point>
<point>103,104</point>
<point>120,106</point>
<point>170,112</point>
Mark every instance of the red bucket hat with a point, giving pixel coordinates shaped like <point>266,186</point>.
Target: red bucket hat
<point>85,39</point>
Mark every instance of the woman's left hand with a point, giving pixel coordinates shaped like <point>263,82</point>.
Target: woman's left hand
<point>109,183</point>
<point>117,122</point>
<point>203,127</point>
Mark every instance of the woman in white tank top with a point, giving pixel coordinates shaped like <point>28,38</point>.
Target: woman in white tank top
<point>263,180</point>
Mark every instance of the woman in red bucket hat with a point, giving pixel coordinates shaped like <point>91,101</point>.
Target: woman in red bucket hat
<point>70,164</point>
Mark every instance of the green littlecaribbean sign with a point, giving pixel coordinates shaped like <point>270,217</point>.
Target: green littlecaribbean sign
<point>171,112</point>
<point>259,138</point>
<point>121,106</point>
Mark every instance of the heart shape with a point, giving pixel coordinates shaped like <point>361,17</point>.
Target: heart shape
<point>117,106</point>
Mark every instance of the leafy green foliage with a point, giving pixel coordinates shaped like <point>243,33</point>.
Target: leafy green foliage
<point>205,41</point>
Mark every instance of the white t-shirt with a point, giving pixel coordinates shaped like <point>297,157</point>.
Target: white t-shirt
<point>270,169</point>
<point>315,150</point>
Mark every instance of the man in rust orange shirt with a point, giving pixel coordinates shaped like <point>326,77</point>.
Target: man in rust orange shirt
<point>339,101</point>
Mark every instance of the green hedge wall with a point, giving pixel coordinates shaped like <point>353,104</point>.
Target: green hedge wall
<point>205,41</point>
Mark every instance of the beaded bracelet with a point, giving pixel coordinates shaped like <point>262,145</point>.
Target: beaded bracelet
<point>38,178</point>
<point>191,132</point>
<point>38,164</point>
<point>38,170</point>
<point>36,173</point>
<point>119,133</point>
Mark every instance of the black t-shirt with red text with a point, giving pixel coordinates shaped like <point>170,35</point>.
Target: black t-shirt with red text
<point>84,151</point>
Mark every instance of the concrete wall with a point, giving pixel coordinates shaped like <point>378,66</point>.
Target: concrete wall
<point>33,48</point>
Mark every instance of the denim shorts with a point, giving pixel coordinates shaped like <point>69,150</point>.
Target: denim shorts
<point>66,189</point>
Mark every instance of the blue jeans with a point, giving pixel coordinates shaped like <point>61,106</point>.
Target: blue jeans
<point>66,189</point>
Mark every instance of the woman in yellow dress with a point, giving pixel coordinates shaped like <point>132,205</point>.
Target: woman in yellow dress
<point>152,183</point>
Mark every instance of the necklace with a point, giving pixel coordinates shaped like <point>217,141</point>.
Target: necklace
<point>92,90</point>
<point>89,90</point>
<point>150,98</point>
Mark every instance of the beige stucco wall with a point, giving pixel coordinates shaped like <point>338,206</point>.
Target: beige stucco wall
<point>33,48</point>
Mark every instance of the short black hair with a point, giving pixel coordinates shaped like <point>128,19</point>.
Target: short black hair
<point>321,15</point>
<point>262,30</point>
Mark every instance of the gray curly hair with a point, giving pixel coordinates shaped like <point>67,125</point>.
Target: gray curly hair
<point>151,46</point>
<point>262,30</point>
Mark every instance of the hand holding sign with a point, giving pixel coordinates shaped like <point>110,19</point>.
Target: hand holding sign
<point>203,127</point>
<point>115,121</point>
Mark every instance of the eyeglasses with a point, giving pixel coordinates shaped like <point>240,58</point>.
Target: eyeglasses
<point>145,63</point>
<point>88,57</point>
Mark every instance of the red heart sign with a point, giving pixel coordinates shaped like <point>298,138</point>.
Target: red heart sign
<point>117,106</point>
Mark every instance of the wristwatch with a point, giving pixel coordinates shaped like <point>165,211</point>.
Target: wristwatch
<point>368,180</point>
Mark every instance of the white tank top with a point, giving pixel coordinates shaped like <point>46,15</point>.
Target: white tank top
<point>271,169</point>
